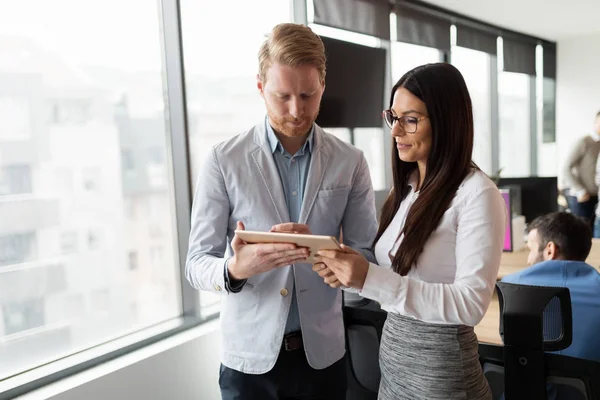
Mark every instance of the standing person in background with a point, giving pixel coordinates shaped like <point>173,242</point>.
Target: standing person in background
<point>597,221</point>
<point>580,174</point>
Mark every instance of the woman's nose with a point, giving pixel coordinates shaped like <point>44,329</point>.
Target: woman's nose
<point>397,130</point>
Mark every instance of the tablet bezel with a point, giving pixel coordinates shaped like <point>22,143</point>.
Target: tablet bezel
<point>312,242</point>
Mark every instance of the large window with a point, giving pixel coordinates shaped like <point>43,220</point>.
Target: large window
<point>221,66</point>
<point>370,141</point>
<point>83,151</point>
<point>514,102</point>
<point>14,114</point>
<point>475,68</point>
<point>549,110</point>
<point>15,179</point>
<point>407,56</point>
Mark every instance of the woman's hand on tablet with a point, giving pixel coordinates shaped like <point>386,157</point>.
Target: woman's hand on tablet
<point>348,266</point>
<point>328,276</point>
<point>252,259</point>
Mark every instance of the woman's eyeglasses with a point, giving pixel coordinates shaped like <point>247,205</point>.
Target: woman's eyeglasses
<point>407,123</point>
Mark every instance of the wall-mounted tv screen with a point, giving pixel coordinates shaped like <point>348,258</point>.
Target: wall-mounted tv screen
<point>354,85</point>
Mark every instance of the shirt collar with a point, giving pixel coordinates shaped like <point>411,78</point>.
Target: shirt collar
<point>275,144</point>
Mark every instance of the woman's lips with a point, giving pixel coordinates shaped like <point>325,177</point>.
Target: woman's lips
<point>401,146</point>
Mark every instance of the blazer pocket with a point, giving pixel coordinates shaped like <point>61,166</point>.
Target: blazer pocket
<point>343,191</point>
<point>329,209</point>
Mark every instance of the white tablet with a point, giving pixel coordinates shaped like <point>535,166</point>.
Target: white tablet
<point>313,242</point>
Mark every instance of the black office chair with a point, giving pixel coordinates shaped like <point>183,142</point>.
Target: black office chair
<point>570,378</point>
<point>364,320</point>
<point>534,320</point>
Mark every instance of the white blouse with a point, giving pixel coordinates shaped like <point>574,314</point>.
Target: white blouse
<point>454,277</point>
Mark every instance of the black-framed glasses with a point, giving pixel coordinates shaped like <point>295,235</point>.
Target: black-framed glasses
<point>408,124</point>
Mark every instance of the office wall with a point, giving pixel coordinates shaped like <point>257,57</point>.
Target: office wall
<point>578,89</point>
<point>186,372</point>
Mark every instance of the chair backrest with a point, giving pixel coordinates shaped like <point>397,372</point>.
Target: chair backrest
<point>364,322</point>
<point>533,320</point>
<point>535,316</point>
<point>522,330</point>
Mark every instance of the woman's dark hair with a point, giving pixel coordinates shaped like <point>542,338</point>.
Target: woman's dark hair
<point>443,90</point>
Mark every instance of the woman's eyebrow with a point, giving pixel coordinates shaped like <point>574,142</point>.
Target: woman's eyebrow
<point>406,112</point>
<point>412,112</point>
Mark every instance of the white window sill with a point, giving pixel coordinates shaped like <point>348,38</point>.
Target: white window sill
<point>105,368</point>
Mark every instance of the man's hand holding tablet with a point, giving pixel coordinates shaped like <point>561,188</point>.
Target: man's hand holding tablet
<point>253,258</point>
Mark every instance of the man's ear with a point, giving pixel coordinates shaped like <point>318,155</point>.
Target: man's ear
<point>551,251</point>
<point>260,86</point>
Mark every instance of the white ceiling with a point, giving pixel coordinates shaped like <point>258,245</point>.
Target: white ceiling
<point>548,19</point>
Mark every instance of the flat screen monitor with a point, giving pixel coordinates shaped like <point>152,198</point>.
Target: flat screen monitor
<point>539,195</point>
<point>354,85</point>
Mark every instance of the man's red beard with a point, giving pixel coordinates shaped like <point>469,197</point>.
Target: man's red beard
<point>281,125</point>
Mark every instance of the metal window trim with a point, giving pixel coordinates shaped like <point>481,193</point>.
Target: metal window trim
<point>179,145</point>
<point>494,116</point>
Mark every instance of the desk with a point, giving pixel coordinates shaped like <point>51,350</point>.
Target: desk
<point>509,269</point>
<point>488,330</point>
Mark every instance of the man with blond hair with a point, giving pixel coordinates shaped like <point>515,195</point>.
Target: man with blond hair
<point>282,327</point>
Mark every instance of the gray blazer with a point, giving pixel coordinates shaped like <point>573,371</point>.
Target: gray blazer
<point>240,181</point>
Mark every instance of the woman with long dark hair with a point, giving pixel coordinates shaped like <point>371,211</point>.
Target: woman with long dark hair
<point>438,246</point>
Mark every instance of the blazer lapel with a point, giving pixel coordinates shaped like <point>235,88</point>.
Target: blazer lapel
<point>316,172</point>
<point>263,160</point>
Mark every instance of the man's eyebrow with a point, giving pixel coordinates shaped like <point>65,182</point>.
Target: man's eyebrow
<point>310,92</point>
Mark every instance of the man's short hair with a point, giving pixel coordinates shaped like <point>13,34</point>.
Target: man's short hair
<point>293,45</point>
<point>572,235</point>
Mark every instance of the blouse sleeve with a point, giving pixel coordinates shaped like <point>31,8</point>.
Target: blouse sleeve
<point>479,242</point>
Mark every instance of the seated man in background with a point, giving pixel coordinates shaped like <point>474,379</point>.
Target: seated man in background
<point>559,244</point>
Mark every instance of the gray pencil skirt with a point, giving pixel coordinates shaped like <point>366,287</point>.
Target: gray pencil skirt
<point>419,360</point>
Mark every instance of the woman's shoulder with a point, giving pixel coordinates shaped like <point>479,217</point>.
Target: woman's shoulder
<point>475,183</point>
<point>477,191</point>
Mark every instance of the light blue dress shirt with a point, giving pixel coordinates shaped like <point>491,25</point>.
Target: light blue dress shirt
<point>293,171</point>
